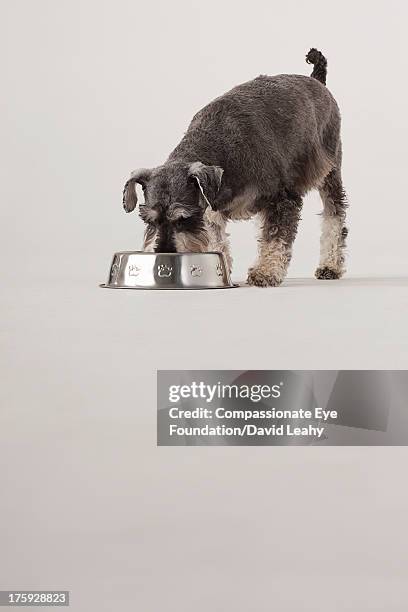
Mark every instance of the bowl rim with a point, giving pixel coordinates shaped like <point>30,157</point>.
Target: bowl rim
<point>174,288</point>
<point>170,254</point>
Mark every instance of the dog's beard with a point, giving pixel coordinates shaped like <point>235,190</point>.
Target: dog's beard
<point>192,243</point>
<point>149,240</point>
<point>185,242</point>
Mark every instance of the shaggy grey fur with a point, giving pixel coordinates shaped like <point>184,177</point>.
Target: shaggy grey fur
<point>255,150</point>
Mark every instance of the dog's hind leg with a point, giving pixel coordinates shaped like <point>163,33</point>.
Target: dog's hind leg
<point>334,231</point>
<point>278,230</point>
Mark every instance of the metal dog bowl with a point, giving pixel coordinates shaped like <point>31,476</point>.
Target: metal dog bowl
<point>140,270</point>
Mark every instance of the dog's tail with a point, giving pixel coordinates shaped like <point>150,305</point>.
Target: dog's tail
<point>319,65</point>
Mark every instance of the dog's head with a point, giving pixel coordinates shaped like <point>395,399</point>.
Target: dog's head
<point>176,197</point>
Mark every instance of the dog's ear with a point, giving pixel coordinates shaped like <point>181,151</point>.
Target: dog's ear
<point>208,179</point>
<point>129,191</point>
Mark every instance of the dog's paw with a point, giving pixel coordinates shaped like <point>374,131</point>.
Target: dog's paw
<point>327,273</point>
<point>258,278</point>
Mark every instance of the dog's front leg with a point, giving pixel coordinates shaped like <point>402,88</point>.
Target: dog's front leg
<point>219,238</point>
<point>278,227</point>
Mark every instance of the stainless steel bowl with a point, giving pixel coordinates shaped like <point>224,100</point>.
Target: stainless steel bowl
<point>140,270</point>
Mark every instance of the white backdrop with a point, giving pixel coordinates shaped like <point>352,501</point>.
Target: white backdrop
<point>93,89</point>
<point>90,90</point>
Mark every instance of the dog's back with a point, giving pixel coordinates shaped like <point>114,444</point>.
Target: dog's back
<point>273,130</point>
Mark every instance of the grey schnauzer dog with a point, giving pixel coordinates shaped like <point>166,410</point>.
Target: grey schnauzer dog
<point>255,151</point>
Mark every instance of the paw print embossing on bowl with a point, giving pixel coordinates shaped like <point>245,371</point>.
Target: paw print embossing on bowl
<point>219,270</point>
<point>196,270</point>
<point>133,271</point>
<point>164,271</point>
<point>114,272</point>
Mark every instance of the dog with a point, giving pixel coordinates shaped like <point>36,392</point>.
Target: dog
<point>254,151</point>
